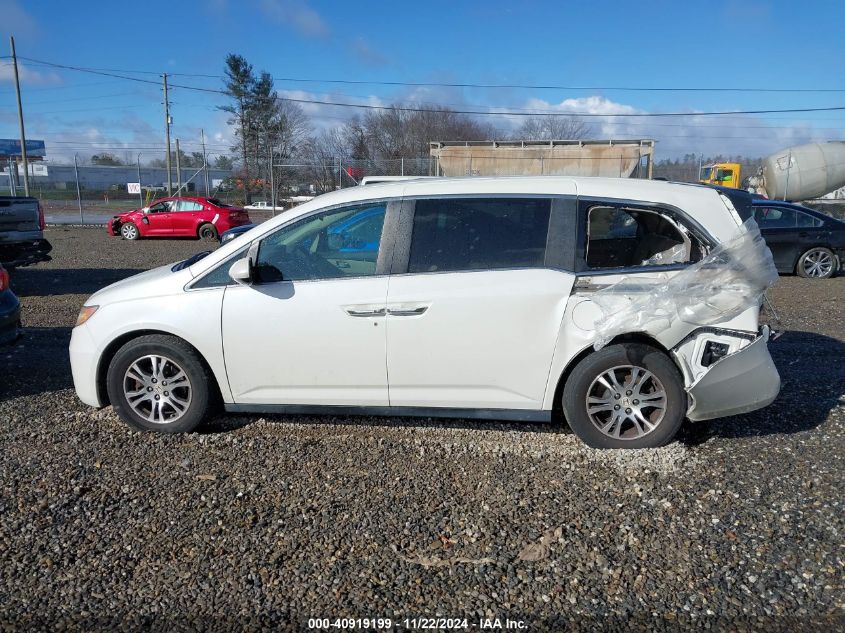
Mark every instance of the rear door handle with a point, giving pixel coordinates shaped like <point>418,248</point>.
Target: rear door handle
<point>407,311</point>
<point>354,312</point>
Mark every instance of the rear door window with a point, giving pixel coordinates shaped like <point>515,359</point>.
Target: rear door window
<point>783,218</point>
<point>478,234</point>
<point>619,237</point>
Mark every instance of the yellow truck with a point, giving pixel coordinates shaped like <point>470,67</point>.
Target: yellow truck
<point>725,174</point>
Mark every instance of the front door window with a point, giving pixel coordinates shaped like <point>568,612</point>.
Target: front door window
<point>331,245</point>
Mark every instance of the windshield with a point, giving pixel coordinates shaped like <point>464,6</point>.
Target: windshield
<point>706,173</point>
<point>193,259</point>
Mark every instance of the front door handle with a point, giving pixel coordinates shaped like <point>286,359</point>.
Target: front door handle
<point>365,313</point>
<point>407,311</point>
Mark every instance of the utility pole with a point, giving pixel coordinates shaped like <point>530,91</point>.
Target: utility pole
<point>272,180</point>
<point>20,119</point>
<point>167,132</point>
<point>178,170</point>
<point>78,194</point>
<point>205,162</point>
<point>140,195</point>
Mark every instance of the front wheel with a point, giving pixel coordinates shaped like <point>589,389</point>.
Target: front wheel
<point>625,396</point>
<point>817,263</point>
<point>159,383</point>
<point>129,231</point>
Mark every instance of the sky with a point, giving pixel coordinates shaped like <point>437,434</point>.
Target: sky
<point>588,50</point>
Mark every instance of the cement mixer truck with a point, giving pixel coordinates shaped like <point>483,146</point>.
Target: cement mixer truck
<point>802,172</point>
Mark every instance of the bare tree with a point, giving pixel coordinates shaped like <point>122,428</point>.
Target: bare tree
<point>556,127</point>
<point>395,133</point>
<point>325,154</point>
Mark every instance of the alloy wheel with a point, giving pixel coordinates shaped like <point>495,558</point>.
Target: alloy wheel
<point>626,402</point>
<point>817,263</point>
<point>129,231</point>
<point>157,389</point>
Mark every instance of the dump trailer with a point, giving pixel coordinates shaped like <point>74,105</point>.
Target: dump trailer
<point>615,158</point>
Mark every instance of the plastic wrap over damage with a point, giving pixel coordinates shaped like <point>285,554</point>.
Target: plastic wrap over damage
<point>730,279</point>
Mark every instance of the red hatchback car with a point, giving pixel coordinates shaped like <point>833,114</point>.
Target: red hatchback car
<point>205,218</point>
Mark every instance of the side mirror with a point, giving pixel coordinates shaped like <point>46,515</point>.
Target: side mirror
<point>241,271</point>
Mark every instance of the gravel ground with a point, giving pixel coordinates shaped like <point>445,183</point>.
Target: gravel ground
<point>265,522</point>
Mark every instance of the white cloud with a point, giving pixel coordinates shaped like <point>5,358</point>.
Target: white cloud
<point>326,116</point>
<point>27,75</point>
<point>697,134</point>
<point>365,52</point>
<point>16,20</point>
<point>297,14</point>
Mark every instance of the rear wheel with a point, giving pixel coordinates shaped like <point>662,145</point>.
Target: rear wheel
<point>158,383</point>
<point>817,263</point>
<point>129,231</point>
<point>208,232</point>
<point>625,396</point>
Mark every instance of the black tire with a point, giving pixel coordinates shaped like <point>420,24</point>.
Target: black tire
<point>208,233</point>
<point>817,263</point>
<point>200,392</point>
<point>129,231</point>
<point>584,379</point>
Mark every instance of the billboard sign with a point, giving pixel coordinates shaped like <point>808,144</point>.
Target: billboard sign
<point>12,147</point>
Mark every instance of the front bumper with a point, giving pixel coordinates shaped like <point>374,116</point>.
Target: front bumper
<point>113,226</point>
<point>745,381</point>
<point>83,365</point>
<point>24,252</point>
<point>10,317</point>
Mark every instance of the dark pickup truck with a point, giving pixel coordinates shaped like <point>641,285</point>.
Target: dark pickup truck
<point>22,232</point>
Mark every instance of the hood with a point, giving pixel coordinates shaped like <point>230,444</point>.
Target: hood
<point>155,282</point>
<point>126,214</point>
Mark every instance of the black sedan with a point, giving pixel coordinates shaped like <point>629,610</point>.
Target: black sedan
<point>10,310</point>
<point>802,240</point>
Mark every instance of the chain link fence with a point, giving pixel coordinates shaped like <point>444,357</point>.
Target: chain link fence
<point>94,193</point>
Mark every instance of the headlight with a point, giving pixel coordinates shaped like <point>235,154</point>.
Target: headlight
<point>85,313</point>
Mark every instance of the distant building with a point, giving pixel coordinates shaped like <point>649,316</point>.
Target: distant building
<point>102,177</point>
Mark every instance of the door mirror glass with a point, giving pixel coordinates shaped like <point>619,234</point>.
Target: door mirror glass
<point>241,271</point>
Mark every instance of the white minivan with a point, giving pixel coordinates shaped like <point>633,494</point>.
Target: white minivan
<point>623,305</point>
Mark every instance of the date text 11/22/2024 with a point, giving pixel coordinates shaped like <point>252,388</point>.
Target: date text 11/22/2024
<point>421,623</point>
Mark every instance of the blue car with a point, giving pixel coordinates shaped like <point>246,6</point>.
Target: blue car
<point>361,233</point>
<point>228,236</point>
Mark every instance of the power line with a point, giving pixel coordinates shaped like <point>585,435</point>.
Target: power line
<point>439,84</point>
<point>405,108</point>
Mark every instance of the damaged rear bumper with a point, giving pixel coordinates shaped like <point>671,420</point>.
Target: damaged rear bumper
<point>741,382</point>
